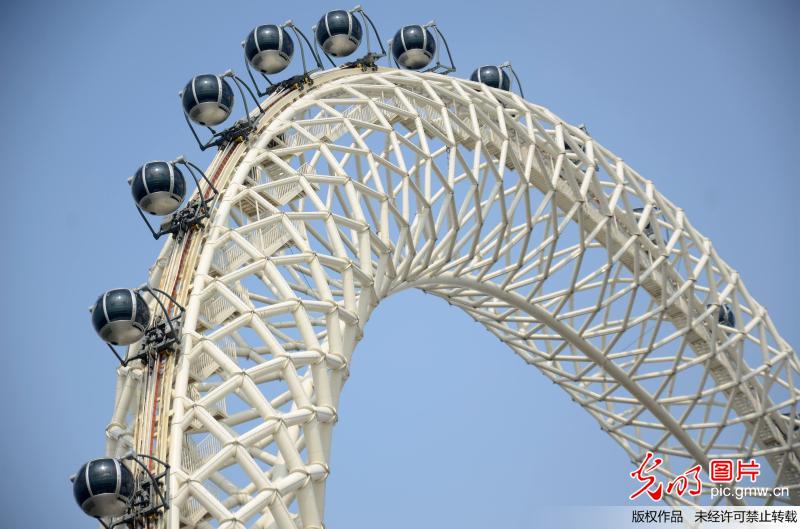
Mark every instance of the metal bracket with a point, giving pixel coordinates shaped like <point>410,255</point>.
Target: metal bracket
<point>440,68</point>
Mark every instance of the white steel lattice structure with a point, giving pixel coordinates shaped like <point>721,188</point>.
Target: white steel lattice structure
<point>369,183</point>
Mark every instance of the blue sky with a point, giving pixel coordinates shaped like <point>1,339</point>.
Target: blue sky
<point>699,96</point>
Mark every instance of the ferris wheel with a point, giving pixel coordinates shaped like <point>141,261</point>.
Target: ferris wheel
<point>346,185</point>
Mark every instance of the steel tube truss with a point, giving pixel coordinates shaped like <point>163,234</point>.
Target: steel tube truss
<point>366,184</point>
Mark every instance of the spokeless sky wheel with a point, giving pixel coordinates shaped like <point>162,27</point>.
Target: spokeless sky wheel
<point>347,185</point>
<point>371,183</point>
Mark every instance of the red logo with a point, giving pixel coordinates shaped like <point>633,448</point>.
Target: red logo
<point>720,471</point>
<point>751,469</point>
<point>649,481</point>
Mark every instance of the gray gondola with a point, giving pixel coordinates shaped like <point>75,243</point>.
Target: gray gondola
<point>269,49</point>
<point>120,316</point>
<point>103,488</point>
<point>725,316</point>
<point>339,33</point>
<point>413,47</point>
<point>493,76</point>
<point>207,99</point>
<point>158,188</point>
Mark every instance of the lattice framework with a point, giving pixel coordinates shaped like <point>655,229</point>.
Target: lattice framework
<point>371,183</point>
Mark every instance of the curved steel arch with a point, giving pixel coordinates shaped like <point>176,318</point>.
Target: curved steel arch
<point>370,183</point>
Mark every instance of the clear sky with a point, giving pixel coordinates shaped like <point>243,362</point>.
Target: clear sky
<point>699,96</point>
